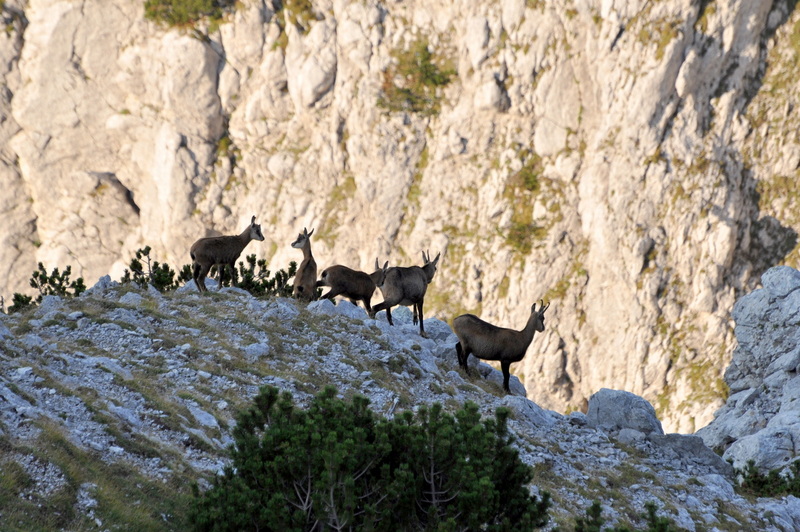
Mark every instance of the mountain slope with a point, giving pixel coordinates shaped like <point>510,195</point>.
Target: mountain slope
<point>113,402</point>
<point>627,161</point>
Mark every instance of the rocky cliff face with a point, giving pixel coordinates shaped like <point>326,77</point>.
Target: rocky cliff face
<point>628,161</point>
<point>761,419</point>
<point>113,403</point>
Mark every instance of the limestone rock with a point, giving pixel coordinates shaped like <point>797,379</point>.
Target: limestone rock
<point>761,419</point>
<point>614,410</point>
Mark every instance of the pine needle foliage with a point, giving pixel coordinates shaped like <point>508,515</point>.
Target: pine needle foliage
<point>255,278</point>
<point>770,484</point>
<point>593,522</point>
<point>55,284</point>
<point>337,465</point>
<point>159,275</point>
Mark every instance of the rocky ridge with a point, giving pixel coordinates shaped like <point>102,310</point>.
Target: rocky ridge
<point>761,419</point>
<point>143,387</point>
<point>634,162</point>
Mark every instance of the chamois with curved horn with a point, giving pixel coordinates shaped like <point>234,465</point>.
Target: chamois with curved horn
<point>305,279</point>
<point>406,286</point>
<point>490,342</point>
<point>352,284</point>
<point>221,250</point>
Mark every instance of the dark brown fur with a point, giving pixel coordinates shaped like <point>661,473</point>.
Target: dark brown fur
<point>407,286</point>
<point>490,342</point>
<point>305,279</point>
<point>352,284</point>
<point>220,250</point>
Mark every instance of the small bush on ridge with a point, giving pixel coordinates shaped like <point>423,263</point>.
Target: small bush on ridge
<point>55,284</point>
<point>161,276</point>
<point>338,465</point>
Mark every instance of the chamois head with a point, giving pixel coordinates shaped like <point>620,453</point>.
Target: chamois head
<point>255,230</point>
<point>302,239</point>
<point>379,275</point>
<point>429,266</point>
<point>539,315</point>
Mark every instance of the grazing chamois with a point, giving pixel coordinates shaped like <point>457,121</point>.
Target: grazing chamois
<point>406,286</point>
<point>305,279</point>
<point>352,284</point>
<point>490,342</point>
<point>221,250</point>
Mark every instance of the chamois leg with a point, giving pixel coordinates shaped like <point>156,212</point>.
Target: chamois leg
<point>195,275</point>
<point>199,275</point>
<point>421,326</point>
<point>367,305</point>
<point>331,294</point>
<point>232,266</point>
<point>384,305</point>
<point>222,268</point>
<point>463,355</point>
<point>506,366</point>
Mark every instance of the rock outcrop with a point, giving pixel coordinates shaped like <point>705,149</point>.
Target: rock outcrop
<point>761,419</point>
<point>628,161</point>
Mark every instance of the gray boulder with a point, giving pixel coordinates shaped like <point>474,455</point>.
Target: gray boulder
<point>614,410</point>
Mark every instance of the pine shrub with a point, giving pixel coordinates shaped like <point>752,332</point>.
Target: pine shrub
<point>259,283</point>
<point>160,276</point>
<point>338,465</point>
<point>593,522</point>
<point>55,284</point>
<point>772,484</point>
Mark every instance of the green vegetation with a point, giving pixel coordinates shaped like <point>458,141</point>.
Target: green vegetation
<point>55,284</point>
<point>160,276</point>
<point>593,522</point>
<point>261,284</point>
<point>339,465</point>
<point>299,13</point>
<point>521,191</point>
<point>411,84</point>
<point>185,12</point>
<point>707,9</point>
<point>771,484</point>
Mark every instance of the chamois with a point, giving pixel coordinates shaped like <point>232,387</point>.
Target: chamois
<point>221,250</point>
<point>407,286</point>
<point>489,342</point>
<point>352,284</point>
<point>306,277</point>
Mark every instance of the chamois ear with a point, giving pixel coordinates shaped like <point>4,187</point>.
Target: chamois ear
<point>253,220</point>
<point>436,260</point>
<point>307,233</point>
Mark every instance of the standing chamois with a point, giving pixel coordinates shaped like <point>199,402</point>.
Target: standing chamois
<point>222,251</point>
<point>305,279</point>
<point>490,342</point>
<point>352,284</point>
<point>407,286</point>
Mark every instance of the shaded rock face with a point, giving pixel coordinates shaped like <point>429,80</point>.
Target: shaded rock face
<point>603,156</point>
<point>761,419</point>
